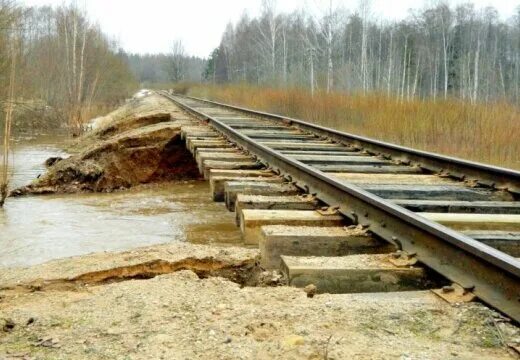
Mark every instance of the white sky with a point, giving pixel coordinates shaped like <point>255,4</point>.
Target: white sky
<point>151,26</point>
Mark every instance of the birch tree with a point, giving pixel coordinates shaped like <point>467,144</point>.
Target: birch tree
<point>268,33</point>
<point>365,11</point>
<point>329,32</point>
<point>446,25</point>
<point>73,29</point>
<point>176,65</point>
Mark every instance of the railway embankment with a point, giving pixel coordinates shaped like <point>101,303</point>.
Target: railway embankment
<point>182,300</point>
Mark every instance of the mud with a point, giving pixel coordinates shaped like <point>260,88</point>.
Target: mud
<point>139,143</point>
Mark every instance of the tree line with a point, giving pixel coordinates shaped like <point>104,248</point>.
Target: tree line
<point>64,61</point>
<point>173,67</point>
<point>438,52</point>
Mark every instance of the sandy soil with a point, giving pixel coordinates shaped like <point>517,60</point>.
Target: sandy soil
<point>212,302</point>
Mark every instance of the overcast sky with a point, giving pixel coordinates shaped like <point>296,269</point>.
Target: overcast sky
<point>151,26</point>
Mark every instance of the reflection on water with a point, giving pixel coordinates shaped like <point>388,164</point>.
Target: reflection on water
<point>37,229</point>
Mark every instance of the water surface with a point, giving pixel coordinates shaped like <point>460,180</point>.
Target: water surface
<point>38,229</point>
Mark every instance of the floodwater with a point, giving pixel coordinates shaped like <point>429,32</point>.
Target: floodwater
<point>37,229</point>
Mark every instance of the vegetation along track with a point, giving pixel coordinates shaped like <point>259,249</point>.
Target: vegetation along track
<point>459,218</point>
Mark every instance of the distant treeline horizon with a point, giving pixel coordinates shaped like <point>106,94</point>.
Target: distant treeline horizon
<point>438,52</point>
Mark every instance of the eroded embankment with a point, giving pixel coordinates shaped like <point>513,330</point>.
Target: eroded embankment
<point>246,272</point>
<point>180,301</point>
<point>139,143</point>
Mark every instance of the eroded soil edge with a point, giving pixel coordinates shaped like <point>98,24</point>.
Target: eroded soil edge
<point>139,143</point>
<point>243,272</point>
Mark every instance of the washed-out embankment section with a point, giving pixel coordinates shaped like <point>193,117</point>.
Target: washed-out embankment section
<point>137,144</point>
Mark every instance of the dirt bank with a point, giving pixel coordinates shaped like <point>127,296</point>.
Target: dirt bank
<point>138,143</point>
<point>183,301</point>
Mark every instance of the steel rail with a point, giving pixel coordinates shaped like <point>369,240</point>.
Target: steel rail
<point>493,276</point>
<point>489,175</point>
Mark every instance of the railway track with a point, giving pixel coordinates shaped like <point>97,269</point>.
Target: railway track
<point>458,218</point>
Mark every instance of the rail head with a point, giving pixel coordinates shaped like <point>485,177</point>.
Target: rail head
<point>488,175</point>
<point>492,275</point>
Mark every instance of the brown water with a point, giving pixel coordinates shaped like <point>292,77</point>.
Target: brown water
<point>38,229</point>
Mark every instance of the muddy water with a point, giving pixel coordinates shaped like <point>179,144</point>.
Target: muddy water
<point>38,229</point>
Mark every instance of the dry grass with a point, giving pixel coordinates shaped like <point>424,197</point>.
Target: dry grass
<point>488,133</point>
<point>97,109</point>
<point>81,116</point>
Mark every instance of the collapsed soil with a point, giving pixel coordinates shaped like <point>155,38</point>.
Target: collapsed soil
<point>183,301</point>
<point>139,143</point>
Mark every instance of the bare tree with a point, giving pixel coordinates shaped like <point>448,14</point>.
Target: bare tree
<point>446,26</point>
<point>4,179</point>
<point>176,67</point>
<point>365,12</point>
<point>74,29</point>
<point>476,69</point>
<point>268,32</point>
<point>65,64</point>
<point>390,61</point>
<point>309,38</point>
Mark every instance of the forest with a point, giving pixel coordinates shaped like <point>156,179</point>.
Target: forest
<point>438,52</point>
<point>156,70</point>
<point>65,69</point>
<point>66,63</point>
